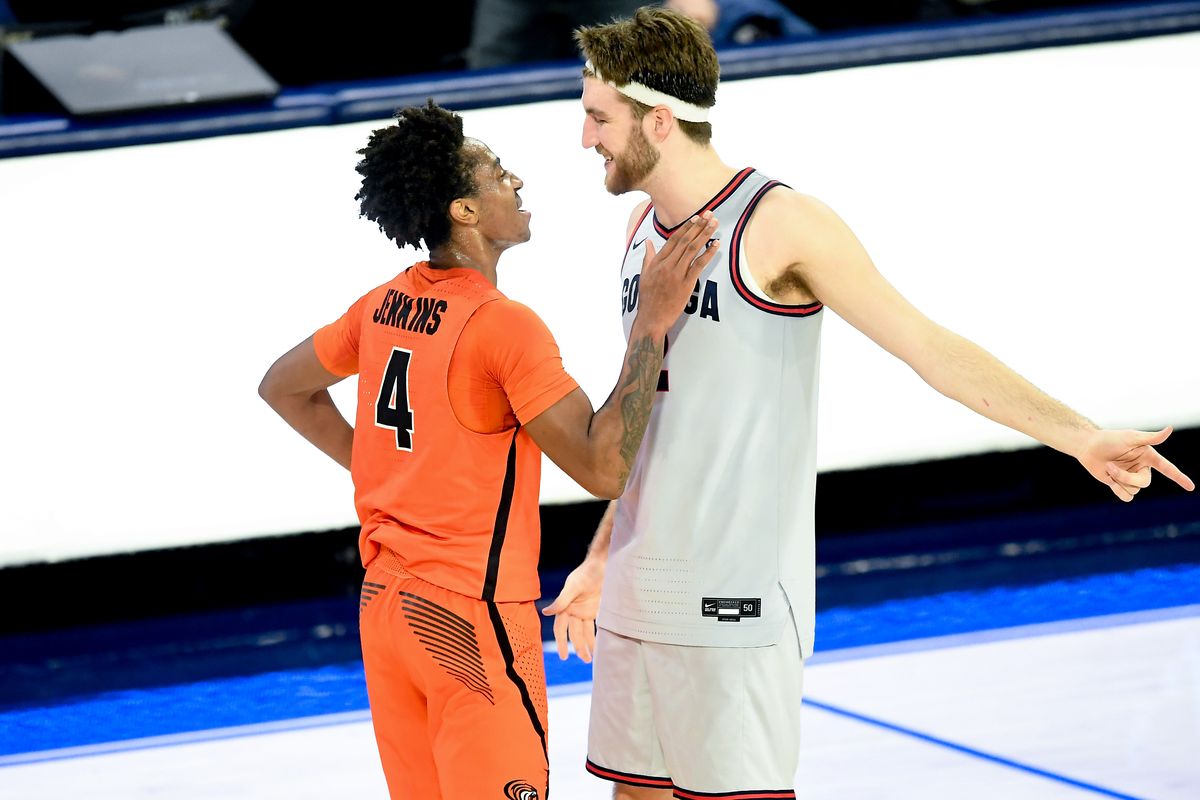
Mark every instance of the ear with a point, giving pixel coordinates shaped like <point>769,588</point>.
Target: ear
<point>662,122</point>
<point>462,210</point>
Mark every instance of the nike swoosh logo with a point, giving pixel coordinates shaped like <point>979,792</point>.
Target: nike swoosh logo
<point>637,244</point>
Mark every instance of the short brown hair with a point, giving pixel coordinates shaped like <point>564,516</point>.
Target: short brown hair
<point>662,49</point>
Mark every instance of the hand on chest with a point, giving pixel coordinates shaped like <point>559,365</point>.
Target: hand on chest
<point>704,302</point>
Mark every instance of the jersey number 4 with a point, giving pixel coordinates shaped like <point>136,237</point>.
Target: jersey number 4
<point>391,406</point>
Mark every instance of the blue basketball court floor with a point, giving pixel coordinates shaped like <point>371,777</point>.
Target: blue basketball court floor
<point>1084,687</point>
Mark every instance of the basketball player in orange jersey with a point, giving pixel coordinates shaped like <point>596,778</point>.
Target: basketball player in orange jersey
<point>707,559</point>
<point>459,391</point>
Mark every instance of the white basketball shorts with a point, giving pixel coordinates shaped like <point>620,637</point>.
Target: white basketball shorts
<point>701,721</point>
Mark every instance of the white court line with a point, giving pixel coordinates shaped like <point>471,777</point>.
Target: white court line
<point>972,752</point>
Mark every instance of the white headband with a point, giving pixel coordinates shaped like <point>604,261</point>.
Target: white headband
<point>653,97</point>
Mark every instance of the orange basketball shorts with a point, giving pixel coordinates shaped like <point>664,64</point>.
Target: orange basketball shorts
<point>457,690</point>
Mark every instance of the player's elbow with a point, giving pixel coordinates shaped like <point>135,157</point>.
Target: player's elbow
<point>598,479</point>
<point>932,355</point>
<point>609,483</point>
<point>608,490</point>
<point>264,388</point>
<point>605,493</point>
<point>268,388</point>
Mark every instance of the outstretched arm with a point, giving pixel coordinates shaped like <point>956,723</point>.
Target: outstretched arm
<point>297,388</point>
<point>816,249</point>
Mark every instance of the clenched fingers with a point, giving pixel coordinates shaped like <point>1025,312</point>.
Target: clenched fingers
<point>1124,493</point>
<point>1134,480</point>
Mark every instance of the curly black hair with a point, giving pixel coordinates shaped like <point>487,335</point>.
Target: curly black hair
<point>411,171</point>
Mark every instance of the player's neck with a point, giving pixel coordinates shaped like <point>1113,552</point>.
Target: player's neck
<point>466,255</point>
<point>680,186</point>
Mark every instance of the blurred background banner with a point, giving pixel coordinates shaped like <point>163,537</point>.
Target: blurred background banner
<point>143,68</point>
<point>363,60</point>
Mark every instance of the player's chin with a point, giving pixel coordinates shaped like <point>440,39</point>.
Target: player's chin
<point>615,185</point>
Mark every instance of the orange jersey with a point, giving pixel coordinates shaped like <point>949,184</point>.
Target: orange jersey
<point>443,473</point>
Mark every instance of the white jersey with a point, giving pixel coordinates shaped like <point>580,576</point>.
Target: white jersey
<point>713,542</point>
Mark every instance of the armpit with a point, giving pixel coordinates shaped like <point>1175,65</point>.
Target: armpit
<point>790,287</point>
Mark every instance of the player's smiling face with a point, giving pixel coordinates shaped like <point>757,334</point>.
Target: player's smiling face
<point>497,199</point>
<point>614,132</point>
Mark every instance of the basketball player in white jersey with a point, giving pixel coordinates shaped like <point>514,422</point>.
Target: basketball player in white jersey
<point>708,582</point>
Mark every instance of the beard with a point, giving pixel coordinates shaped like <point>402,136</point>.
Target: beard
<point>632,166</point>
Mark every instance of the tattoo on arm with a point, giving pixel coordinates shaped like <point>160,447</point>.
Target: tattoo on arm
<point>637,395</point>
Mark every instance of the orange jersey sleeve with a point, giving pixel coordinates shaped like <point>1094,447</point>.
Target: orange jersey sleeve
<point>506,368</point>
<point>336,344</point>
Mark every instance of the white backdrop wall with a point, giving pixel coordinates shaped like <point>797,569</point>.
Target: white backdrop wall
<point>1042,203</point>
